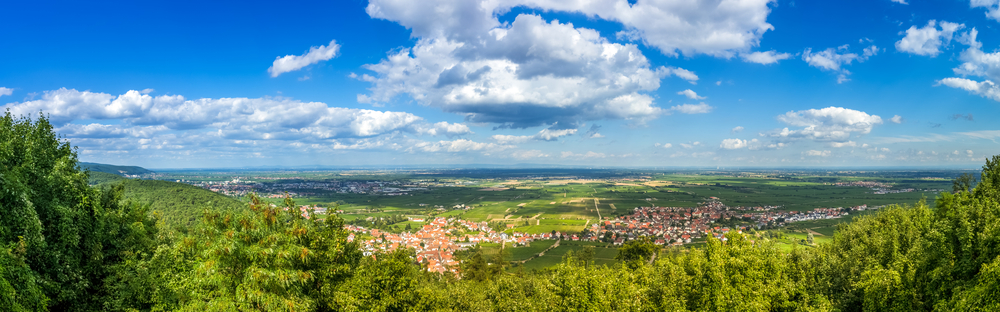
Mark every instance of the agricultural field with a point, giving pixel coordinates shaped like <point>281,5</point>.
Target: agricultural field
<point>567,200</point>
<point>517,254</point>
<point>570,201</point>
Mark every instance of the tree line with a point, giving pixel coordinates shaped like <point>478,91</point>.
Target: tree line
<point>69,246</point>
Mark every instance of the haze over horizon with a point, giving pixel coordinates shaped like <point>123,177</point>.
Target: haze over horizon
<point>616,83</point>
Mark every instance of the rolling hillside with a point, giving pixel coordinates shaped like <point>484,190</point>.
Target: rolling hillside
<point>179,204</point>
<point>119,170</point>
<point>97,177</point>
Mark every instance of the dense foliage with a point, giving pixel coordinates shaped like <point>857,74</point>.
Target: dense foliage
<point>61,241</point>
<point>179,206</point>
<point>97,177</point>
<point>67,246</point>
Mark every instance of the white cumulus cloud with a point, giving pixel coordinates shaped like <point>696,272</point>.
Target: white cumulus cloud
<point>289,63</point>
<point>532,71</point>
<point>714,27</point>
<point>685,74</point>
<point>986,89</point>
<point>897,119</point>
<point>444,128</point>
<point>929,39</point>
<point>455,146</point>
<point>992,7</point>
<point>733,144</point>
<point>529,154</point>
<point>737,129</point>
<point>6,91</point>
<point>976,63</point>
<point>843,144</point>
<point>691,95</point>
<point>700,108</point>
<point>817,153</point>
<point>833,59</point>
<point>137,121</point>
<point>544,135</point>
<point>528,73</point>
<point>767,57</point>
<point>831,124</point>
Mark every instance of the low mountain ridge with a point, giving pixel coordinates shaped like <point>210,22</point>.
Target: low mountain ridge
<point>114,169</point>
<point>179,205</point>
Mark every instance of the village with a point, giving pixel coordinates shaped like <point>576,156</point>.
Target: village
<point>436,242</point>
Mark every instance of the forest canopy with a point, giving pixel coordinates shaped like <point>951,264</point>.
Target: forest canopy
<point>68,246</point>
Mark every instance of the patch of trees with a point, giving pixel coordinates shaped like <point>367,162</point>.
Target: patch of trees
<point>97,177</point>
<point>381,223</point>
<point>179,206</point>
<point>112,169</point>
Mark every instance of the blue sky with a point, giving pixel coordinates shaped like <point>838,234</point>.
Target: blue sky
<point>733,83</point>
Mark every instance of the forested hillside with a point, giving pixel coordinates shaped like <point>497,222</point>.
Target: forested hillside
<point>97,177</point>
<point>67,246</point>
<point>119,170</point>
<point>179,205</point>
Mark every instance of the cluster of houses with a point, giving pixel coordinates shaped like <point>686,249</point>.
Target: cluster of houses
<point>879,188</point>
<point>234,187</point>
<point>679,225</point>
<point>436,242</point>
<point>867,184</point>
<point>356,187</point>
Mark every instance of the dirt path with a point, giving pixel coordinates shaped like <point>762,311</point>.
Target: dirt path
<point>596,202</point>
<point>542,253</point>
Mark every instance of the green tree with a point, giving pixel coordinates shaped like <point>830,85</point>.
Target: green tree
<point>387,282</point>
<point>265,258</point>
<point>57,233</point>
<point>636,252</point>
<point>963,183</point>
<point>586,255</point>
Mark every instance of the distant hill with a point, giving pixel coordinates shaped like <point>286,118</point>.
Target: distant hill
<point>97,177</point>
<point>181,205</point>
<point>119,170</point>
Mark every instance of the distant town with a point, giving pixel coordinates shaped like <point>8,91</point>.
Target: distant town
<point>436,242</point>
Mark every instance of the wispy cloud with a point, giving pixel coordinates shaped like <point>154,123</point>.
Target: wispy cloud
<point>290,63</point>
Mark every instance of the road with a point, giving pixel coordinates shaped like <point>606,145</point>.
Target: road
<point>596,202</point>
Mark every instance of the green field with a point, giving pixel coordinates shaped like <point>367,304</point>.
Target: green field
<point>546,200</point>
<point>603,254</point>
<point>565,201</point>
<point>517,253</point>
